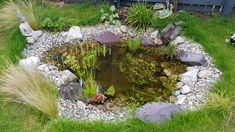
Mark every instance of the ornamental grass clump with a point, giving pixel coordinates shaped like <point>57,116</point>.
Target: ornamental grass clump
<point>8,12</point>
<point>29,87</point>
<point>140,16</point>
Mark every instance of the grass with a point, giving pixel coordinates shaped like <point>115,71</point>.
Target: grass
<point>210,32</point>
<point>28,87</point>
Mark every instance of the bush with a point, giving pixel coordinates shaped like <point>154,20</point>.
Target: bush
<point>8,18</point>
<point>30,88</point>
<point>140,16</point>
<point>56,24</point>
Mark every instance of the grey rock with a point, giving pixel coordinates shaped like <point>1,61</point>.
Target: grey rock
<point>107,38</point>
<point>124,29</point>
<point>185,89</point>
<point>71,91</point>
<point>176,93</point>
<point>179,85</point>
<point>204,74</point>
<point>154,34</point>
<point>30,62</point>
<point>179,40</point>
<point>157,112</point>
<point>147,42</point>
<point>192,58</point>
<point>68,76</point>
<point>181,99</point>
<point>73,35</point>
<point>190,77</point>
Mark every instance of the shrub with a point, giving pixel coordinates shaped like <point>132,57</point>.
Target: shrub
<point>133,44</point>
<point>30,88</point>
<point>8,18</point>
<point>110,17</point>
<point>56,24</point>
<point>140,16</point>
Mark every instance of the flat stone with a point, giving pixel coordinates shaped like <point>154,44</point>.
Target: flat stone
<point>157,112</point>
<point>158,41</point>
<point>179,40</point>
<point>185,89</point>
<point>204,74</point>
<point>107,38</point>
<point>190,77</point>
<point>192,58</point>
<point>146,42</point>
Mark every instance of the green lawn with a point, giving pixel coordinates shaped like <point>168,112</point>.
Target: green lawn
<point>210,32</point>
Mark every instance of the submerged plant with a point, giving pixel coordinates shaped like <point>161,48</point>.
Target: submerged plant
<point>134,44</point>
<point>29,88</point>
<point>111,91</point>
<point>110,17</point>
<point>138,71</point>
<point>140,16</point>
<point>89,89</point>
<point>8,12</point>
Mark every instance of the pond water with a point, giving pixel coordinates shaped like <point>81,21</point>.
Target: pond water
<point>138,77</point>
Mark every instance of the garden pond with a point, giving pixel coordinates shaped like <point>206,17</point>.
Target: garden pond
<point>123,76</point>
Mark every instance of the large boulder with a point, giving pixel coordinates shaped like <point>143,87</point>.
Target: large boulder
<point>107,38</point>
<point>157,112</point>
<point>73,35</point>
<point>192,58</point>
<point>30,62</point>
<point>71,91</point>
<point>190,77</point>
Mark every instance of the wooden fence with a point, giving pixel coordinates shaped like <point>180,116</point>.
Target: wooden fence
<point>225,7</point>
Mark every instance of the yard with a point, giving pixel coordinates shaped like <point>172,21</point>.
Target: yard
<point>217,114</point>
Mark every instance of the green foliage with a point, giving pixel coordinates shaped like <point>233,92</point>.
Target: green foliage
<point>110,17</point>
<point>56,24</point>
<point>170,51</point>
<point>134,44</point>
<point>137,70</point>
<point>111,91</point>
<point>140,16</point>
<point>84,64</point>
<point>89,89</point>
<point>162,11</point>
<point>137,101</point>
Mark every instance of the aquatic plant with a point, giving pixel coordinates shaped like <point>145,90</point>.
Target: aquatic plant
<point>170,51</point>
<point>110,17</point>
<point>89,89</point>
<point>111,91</point>
<point>134,44</point>
<point>29,87</point>
<point>140,16</point>
<point>137,101</point>
<point>138,71</point>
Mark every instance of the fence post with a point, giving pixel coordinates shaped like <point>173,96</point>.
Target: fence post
<point>228,7</point>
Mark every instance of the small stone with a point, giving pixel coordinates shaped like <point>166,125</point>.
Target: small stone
<point>158,41</point>
<point>101,107</point>
<point>154,34</point>
<point>179,85</point>
<point>43,68</point>
<point>179,40</point>
<point>146,41</point>
<point>190,77</point>
<point>181,99</point>
<point>167,72</point>
<point>30,62</point>
<point>173,99</point>
<point>185,89</point>
<point>204,74</point>
<point>124,29</point>
<point>176,93</point>
<point>73,35</point>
